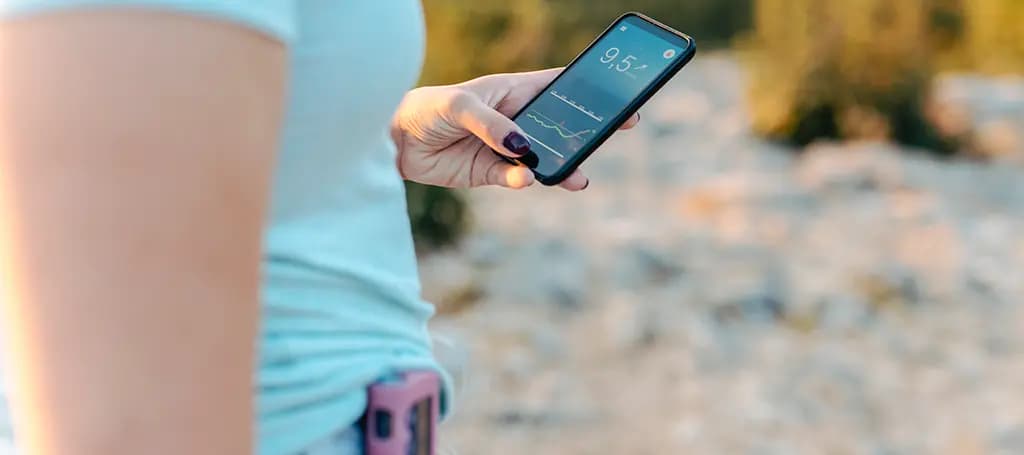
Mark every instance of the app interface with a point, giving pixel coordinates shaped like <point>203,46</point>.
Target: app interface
<point>583,102</point>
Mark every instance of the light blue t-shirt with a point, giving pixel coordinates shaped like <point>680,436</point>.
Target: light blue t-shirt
<point>342,302</point>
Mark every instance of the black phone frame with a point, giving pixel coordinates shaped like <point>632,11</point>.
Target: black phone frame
<point>651,25</point>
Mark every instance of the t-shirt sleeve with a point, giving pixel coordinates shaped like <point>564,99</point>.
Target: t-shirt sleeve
<point>272,17</point>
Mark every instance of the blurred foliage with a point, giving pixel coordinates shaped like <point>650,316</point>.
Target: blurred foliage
<point>469,38</point>
<point>863,69</point>
<point>847,69</point>
<point>439,216</point>
<point>713,23</point>
<point>993,36</point>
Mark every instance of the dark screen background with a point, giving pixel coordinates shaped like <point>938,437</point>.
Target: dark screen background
<point>583,102</point>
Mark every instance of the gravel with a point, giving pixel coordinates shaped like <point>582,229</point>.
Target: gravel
<point>714,293</point>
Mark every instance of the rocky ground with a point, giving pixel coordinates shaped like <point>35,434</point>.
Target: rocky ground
<point>712,293</point>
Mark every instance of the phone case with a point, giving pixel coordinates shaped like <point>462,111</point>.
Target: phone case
<point>579,158</point>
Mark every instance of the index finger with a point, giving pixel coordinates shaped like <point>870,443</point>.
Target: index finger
<point>524,87</point>
<point>528,86</point>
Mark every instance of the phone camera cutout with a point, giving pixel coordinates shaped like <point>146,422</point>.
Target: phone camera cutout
<point>669,53</point>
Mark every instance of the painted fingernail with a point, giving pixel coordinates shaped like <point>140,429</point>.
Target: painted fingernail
<point>516,143</point>
<point>585,185</point>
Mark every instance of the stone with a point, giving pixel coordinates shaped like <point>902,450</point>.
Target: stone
<point>843,312</point>
<point>1010,440</point>
<point>1000,140</point>
<point>485,249</point>
<point>547,343</point>
<point>451,283</point>
<point>859,167</point>
<point>639,265</point>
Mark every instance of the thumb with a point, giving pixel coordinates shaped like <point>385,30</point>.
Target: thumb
<point>492,127</point>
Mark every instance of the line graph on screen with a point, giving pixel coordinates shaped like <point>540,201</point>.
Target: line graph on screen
<point>559,127</point>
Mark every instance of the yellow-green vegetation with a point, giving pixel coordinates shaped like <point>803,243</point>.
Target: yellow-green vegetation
<point>863,69</point>
<point>843,69</point>
<point>468,38</point>
<point>439,216</point>
<point>993,38</point>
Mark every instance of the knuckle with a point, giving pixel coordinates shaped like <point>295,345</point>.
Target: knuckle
<point>496,131</point>
<point>458,100</point>
<point>488,79</point>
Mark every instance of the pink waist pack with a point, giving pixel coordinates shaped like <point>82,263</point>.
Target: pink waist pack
<point>402,415</point>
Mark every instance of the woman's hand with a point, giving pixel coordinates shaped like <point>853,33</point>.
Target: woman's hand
<point>445,134</point>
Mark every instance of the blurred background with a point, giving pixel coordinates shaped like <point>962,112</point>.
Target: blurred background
<point>812,243</point>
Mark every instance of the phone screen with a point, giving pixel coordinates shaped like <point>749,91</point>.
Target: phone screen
<point>588,100</point>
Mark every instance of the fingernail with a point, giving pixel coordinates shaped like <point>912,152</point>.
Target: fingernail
<point>585,185</point>
<point>516,143</point>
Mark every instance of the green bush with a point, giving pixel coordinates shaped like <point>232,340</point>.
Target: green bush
<point>846,69</point>
<point>469,38</point>
<point>439,216</point>
<point>713,23</point>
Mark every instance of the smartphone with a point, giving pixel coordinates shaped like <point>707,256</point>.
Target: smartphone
<point>598,92</point>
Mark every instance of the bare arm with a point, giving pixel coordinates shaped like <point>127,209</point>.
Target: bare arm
<point>135,155</point>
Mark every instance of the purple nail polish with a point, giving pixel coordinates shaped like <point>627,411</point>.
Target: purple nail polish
<point>585,185</point>
<point>516,143</point>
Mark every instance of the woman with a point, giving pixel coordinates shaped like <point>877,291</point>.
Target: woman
<point>144,144</point>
